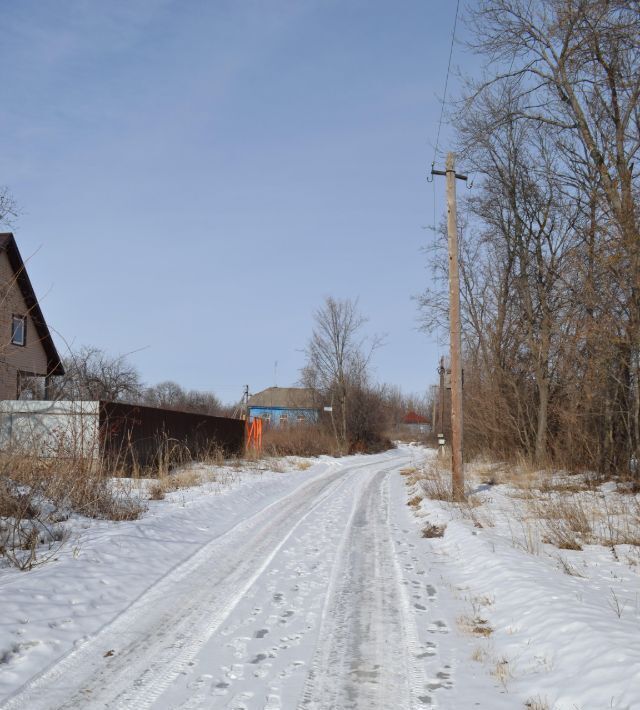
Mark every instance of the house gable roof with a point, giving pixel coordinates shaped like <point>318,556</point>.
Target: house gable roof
<point>285,398</point>
<point>412,417</point>
<point>9,246</point>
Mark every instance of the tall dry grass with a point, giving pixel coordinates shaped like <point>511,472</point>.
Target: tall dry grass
<point>299,440</point>
<point>39,493</point>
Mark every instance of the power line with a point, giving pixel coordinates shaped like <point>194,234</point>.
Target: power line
<point>446,82</point>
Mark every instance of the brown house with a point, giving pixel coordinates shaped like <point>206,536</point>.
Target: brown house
<point>28,357</point>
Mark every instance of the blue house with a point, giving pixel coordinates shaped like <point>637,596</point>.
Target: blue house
<point>281,406</point>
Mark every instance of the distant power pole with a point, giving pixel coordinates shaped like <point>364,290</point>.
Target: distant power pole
<point>245,397</point>
<point>457,471</point>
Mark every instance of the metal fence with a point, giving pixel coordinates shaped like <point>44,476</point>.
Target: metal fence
<point>123,436</point>
<point>133,435</point>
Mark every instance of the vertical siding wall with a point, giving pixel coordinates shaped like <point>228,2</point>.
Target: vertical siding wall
<point>28,358</point>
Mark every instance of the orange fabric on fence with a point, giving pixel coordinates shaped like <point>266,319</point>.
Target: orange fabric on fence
<point>254,434</point>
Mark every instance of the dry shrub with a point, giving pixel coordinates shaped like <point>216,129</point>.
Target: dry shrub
<point>157,491</point>
<point>487,473</point>
<point>433,530</point>
<point>415,501</point>
<point>537,703</point>
<point>298,440</point>
<point>471,509</point>
<point>212,455</point>
<point>566,521</point>
<point>412,475</point>
<point>502,672</point>
<point>479,655</point>
<point>36,494</point>
<point>475,625</point>
<point>14,504</point>
<point>564,484</point>
<point>621,521</point>
<point>436,484</point>
<point>186,478</point>
<point>568,568</point>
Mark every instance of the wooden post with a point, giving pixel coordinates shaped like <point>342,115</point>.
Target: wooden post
<point>457,472</point>
<point>441,372</point>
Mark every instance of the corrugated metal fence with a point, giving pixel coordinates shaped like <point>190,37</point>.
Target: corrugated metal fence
<point>146,436</point>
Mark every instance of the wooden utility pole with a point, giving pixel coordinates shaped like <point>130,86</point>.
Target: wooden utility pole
<point>457,471</point>
<point>441,372</point>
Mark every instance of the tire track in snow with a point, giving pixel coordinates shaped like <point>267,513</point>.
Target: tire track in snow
<point>367,657</point>
<point>158,635</point>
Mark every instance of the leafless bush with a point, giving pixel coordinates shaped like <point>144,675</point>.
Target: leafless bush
<point>37,494</point>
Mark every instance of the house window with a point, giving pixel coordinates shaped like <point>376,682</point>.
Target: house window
<point>19,330</point>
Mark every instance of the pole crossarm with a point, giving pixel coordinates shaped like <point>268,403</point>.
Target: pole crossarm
<point>459,176</point>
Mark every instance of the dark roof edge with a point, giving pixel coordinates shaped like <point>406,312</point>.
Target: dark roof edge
<point>8,244</point>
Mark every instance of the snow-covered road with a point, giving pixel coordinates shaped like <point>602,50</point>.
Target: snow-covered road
<point>322,598</point>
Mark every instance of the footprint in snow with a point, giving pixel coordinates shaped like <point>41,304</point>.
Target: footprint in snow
<point>438,627</point>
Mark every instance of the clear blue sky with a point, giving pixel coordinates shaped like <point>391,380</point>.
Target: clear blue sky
<point>195,177</point>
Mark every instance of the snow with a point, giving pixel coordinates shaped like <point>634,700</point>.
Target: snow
<point>315,589</point>
<point>566,623</point>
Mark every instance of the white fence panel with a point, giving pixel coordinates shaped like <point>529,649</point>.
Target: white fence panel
<point>65,429</point>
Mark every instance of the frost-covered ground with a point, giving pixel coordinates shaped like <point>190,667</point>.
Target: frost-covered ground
<point>314,588</point>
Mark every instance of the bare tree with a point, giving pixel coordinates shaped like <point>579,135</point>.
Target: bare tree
<point>166,394</point>
<point>170,395</point>
<point>575,68</point>
<point>8,207</point>
<point>550,255</point>
<point>338,357</point>
<point>91,374</point>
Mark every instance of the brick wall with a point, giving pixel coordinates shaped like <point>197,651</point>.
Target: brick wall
<point>28,358</point>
